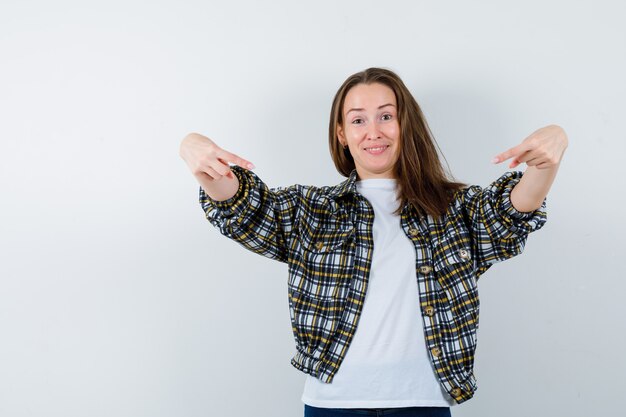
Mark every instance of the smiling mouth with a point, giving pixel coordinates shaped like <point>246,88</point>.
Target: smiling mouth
<point>376,150</point>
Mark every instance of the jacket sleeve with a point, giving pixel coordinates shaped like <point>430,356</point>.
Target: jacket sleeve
<point>257,217</point>
<point>499,231</point>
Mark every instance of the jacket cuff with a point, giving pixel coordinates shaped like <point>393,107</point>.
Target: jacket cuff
<point>508,181</point>
<point>233,206</point>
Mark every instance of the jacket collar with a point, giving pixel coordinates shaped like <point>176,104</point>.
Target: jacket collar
<point>348,186</point>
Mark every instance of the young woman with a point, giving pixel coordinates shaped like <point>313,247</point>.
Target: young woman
<point>383,267</point>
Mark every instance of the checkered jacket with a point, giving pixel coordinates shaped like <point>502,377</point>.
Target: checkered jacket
<point>324,234</point>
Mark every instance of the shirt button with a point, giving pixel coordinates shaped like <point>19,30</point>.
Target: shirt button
<point>425,269</point>
<point>464,254</point>
<point>429,311</point>
<point>436,352</point>
<point>413,232</point>
<point>456,392</point>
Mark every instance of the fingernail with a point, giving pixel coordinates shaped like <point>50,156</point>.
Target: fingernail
<point>251,166</point>
<point>494,160</point>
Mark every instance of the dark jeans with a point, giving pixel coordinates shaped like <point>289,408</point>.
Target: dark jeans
<point>310,411</point>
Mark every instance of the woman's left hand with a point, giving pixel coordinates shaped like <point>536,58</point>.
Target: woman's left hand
<point>544,148</point>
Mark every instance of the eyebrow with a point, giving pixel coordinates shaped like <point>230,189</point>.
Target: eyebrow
<point>380,107</point>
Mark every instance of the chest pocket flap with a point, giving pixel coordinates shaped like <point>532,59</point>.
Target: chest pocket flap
<point>325,240</point>
<point>452,251</point>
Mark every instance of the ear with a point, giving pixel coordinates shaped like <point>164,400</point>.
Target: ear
<point>340,135</point>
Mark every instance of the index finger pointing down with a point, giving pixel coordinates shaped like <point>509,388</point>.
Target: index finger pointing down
<point>237,160</point>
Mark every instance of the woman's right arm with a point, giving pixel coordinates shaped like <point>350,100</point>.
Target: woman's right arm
<point>238,203</point>
<point>209,165</point>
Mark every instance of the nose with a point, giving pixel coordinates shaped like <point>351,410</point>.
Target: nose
<point>373,132</point>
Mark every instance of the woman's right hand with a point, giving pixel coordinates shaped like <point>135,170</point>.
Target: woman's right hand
<point>206,160</point>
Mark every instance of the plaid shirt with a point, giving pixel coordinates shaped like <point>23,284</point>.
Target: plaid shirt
<point>324,234</point>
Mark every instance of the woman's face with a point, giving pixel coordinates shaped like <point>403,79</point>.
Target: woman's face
<point>371,129</point>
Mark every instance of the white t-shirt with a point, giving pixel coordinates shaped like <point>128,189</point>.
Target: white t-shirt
<point>387,364</point>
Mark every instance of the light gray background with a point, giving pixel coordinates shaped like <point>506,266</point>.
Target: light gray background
<point>118,298</point>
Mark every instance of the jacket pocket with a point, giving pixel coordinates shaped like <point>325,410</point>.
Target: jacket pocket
<point>456,274</point>
<point>323,266</point>
<point>325,241</point>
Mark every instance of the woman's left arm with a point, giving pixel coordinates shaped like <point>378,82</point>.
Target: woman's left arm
<point>542,152</point>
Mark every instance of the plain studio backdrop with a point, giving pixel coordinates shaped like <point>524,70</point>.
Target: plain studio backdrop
<point>118,298</point>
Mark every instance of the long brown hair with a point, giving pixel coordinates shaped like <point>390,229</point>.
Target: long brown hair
<point>422,180</point>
